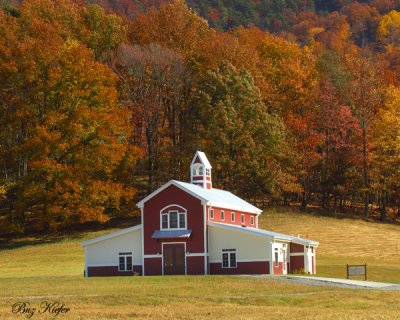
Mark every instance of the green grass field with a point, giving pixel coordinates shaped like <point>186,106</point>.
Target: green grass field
<point>51,270</point>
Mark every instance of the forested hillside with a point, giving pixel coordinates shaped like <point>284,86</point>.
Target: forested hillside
<point>272,15</point>
<point>97,110</point>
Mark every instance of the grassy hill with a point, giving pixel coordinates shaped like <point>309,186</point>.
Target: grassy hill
<point>343,240</point>
<point>51,269</point>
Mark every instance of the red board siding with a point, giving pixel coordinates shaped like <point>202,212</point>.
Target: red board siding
<point>228,217</point>
<point>109,271</point>
<point>296,263</point>
<point>200,178</point>
<point>294,247</point>
<point>151,213</point>
<point>153,266</point>
<point>278,269</point>
<point>255,267</point>
<point>195,265</point>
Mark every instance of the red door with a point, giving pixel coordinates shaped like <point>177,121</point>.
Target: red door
<point>174,259</point>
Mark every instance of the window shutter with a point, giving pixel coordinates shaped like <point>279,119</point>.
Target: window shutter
<point>225,260</point>
<point>121,263</point>
<point>164,219</point>
<point>182,220</point>
<point>129,263</point>
<point>232,262</point>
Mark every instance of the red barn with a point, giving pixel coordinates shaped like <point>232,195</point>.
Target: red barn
<point>193,228</point>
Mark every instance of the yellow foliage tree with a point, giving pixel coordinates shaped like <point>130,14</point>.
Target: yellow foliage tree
<point>388,32</point>
<point>386,144</point>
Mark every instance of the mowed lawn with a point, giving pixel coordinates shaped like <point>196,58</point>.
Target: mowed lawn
<point>52,270</point>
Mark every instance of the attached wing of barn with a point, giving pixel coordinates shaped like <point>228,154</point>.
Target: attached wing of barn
<point>117,253</point>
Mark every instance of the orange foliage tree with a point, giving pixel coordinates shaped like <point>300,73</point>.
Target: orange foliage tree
<point>64,138</point>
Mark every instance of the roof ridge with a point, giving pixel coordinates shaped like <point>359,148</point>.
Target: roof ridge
<point>214,197</point>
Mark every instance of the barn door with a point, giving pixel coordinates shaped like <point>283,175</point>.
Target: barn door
<point>174,259</point>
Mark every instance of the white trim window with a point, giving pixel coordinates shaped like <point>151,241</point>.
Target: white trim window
<point>208,172</point>
<point>252,220</point>
<point>125,261</point>
<point>212,214</point>
<point>242,217</point>
<point>233,216</point>
<point>229,258</point>
<point>173,220</point>
<point>222,215</point>
<point>276,257</point>
<point>197,169</point>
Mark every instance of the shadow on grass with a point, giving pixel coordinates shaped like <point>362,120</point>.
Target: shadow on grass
<point>72,233</point>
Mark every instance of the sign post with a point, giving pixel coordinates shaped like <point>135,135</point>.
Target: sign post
<point>357,270</point>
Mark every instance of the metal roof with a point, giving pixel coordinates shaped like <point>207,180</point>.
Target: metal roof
<point>213,197</point>
<point>220,198</point>
<point>171,234</point>
<point>262,232</point>
<point>111,235</point>
<point>203,158</point>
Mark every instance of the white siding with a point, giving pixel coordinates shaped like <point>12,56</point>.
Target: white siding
<point>105,253</point>
<point>249,247</point>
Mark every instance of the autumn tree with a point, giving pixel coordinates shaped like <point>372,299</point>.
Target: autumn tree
<point>386,145</point>
<point>233,126</point>
<point>63,136</point>
<point>154,83</point>
<point>389,30</point>
<point>323,32</point>
<point>172,26</point>
<point>363,20</point>
<point>339,150</point>
<point>88,24</point>
<point>292,78</point>
<point>365,96</point>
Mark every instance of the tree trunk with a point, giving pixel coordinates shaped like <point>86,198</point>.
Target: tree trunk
<point>150,166</point>
<point>304,201</point>
<point>383,207</point>
<point>365,172</point>
<point>334,203</point>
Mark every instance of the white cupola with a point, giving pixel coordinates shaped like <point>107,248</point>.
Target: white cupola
<point>200,171</point>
